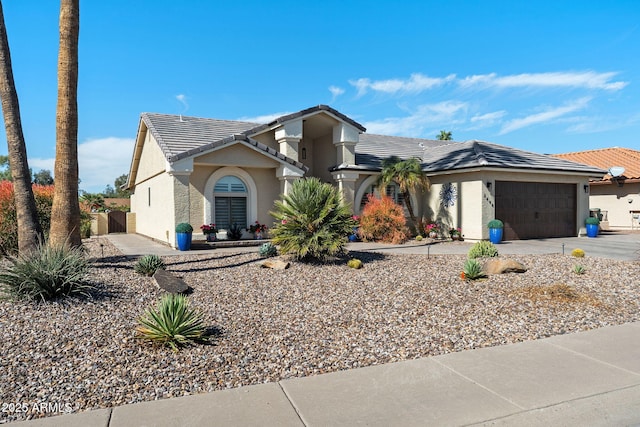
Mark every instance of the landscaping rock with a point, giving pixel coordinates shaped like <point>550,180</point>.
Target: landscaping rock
<point>500,266</point>
<point>169,282</point>
<point>275,264</point>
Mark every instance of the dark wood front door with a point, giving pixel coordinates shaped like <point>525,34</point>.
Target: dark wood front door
<point>536,210</point>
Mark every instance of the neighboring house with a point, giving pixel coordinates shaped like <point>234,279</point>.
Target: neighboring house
<point>201,171</point>
<point>618,197</point>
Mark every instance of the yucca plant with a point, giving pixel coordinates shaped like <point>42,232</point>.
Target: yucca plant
<point>172,323</point>
<point>473,269</point>
<point>312,221</point>
<point>148,264</point>
<point>483,248</point>
<point>46,273</point>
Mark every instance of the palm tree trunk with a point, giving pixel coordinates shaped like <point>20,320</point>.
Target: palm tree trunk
<point>406,196</point>
<point>29,229</point>
<point>65,212</point>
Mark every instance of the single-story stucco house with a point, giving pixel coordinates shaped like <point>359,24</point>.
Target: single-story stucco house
<point>201,171</point>
<point>617,198</point>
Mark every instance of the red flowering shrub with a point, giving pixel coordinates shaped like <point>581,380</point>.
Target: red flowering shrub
<point>8,220</point>
<point>383,220</point>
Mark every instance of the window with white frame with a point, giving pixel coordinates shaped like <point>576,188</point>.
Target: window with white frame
<point>230,202</point>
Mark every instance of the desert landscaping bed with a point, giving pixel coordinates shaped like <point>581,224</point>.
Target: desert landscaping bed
<point>269,325</point>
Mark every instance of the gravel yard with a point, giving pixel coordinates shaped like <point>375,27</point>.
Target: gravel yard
<point>269,325</point>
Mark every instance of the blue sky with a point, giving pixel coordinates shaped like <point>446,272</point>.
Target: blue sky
<point>544,76</point>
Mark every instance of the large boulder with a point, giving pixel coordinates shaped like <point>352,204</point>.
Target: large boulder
<point>275,264</point>
<point>169,282</point>
<point>500,266</point>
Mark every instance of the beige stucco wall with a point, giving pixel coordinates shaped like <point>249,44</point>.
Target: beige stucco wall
<point>324,156</point>
<point>617,201</point>
<point>236,155</point>
<point>154,162</point>
<point>153,203</point>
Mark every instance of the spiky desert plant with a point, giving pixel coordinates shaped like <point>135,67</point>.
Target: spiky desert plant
<point>172,323</point>
<point>579,269</point>
<point>578,253</point>
<point>481,249</point>
<point>354,263</point>
<point>312,221</point>
<point>148,264</point>
<point>473,269</point>
<point>268,250</point>
<point>46,273</point>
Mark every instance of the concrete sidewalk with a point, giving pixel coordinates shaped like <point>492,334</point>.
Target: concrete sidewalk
<point>587,378</point>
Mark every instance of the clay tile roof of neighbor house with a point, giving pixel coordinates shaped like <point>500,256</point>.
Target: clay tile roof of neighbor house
<point>606,158</point>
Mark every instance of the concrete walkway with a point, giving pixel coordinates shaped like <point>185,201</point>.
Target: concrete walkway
<point>587,378</point>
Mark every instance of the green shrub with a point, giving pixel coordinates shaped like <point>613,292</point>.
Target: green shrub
<point>148,264</point>
<point>47,273</point>
<point>578,269</point>
<point>482,248</point>
<point>312,221</point>
<point>383,220</point>
<point>473,269</point>
<point>495,223</point>
<point>592,220</point>
<point>184,227</point>
<point>172,323</point>
<point>354,263</point>
<point>578,253</point>
<point>419,238</point>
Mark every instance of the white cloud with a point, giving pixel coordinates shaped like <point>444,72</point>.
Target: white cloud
<point>416,83</point>
<point>545,116</point>
<point>267,118</point>
<point>335,92</point>
<point>443,113</point>
<point>489,117</point>
<point>183,100</point>
<point>581,79</point>
<point>101,161</point>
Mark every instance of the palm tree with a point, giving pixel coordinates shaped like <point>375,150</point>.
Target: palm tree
<point>408,175</point>
<point>444,136</point>
<point>29,229</point>
<point>65,212</point>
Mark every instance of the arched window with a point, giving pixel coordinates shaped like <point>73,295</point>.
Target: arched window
<point>230,202</point>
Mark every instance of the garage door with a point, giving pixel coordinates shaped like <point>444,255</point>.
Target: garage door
<point>535,210</point>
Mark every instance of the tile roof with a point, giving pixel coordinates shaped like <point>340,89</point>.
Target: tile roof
<point>182,136</point>
<point>473,154</point>
<point>605,158</point>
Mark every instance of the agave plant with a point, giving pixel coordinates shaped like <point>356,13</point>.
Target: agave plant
<point>172,323</point>
<point>473,270</point>
<point>312,221</point>
<point>268,250</point>
<point>148,264</point>
<point>46,273</point>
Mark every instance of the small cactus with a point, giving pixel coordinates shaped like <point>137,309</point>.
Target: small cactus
<point>483,248</point>
<point>578,253</point>
<point>418,238</point>
<point>354,263</point>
